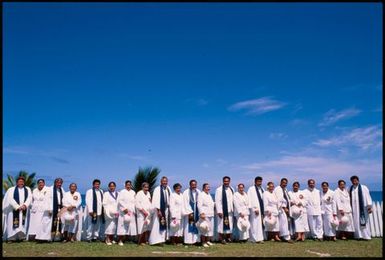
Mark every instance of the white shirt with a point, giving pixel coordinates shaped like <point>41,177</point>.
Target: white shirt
<point>229,197</point>
<point>328,204</point>
<point>41,200</point>
<point>110,204</point>
<point>74,200</point>
<point>241,204</point>
<point>126,200</point>
<point>186,200</point>
<point>206,204</point>
<point>342,199</point>
<point>176,205</point>
<point>143,201</point>
<point>313,198</point>
<point>270,202</point>
<point>89,201</point>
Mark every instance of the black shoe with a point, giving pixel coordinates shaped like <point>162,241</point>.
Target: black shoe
<point>223,242</point>
<point>229,240</point>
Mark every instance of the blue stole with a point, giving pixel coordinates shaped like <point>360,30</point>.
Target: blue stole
<point>260,200</point>
<point>16,215</point>
<point>56,207</point>
<point>361,204</point>
<point>226,223</point>
<point>193,217</point>
<point>162,221</point>
<point>95,207</point>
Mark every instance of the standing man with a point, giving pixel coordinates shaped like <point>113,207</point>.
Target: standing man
<point>94,211</point>
<point>16,207</point>
<point>224,198</point>
<point>191,214</point>
<point>126,221</point>
<point>255,194</point>
<point>284,210</point>
<point>160,203</point>
<point>361,207</point>
<point>57,204</point>
<point>313,209</point>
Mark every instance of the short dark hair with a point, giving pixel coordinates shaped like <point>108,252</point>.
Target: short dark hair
<point>226,177</point>
<point>204,185</point>
<point>176,185</point>
<point>241,184</point>
<point>309,180</point>
<point>39,180</point>
<point>111,182</point>
<point>284,179</point>
<point>163,177</point>
<point>341,181</point>
<point>258,178</point>
<point>327,184</point>
<point>127,181</point>
<point>354,177</point>
<point>58,179</point>
<point>95,181</point>
<point>20,178</point>
<point>270,182</point>
<point>191,181</point>
<point>296,182</point>
<point>73,184</point>
<point>144,184</point>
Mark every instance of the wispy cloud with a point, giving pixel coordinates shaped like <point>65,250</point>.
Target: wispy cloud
<point>15,150</point>
<point>257,106</point>
<point>277,136</point>
<point>298,122</point>
<point>132,157</point>
<point>221,162</point>
<point>35,152</point>
<point>200,102</point>
<point>297,108</point>
<point>365,138</point>
<point>332,116</point>
<point>59,160</point>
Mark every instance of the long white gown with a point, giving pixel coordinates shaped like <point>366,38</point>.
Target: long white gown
<point>342,199</point>
<point>361,231</point>
<point>110,205</point>
<point>219,207</point>
<point>75,200</point>
<point>206,205</point>
<point>9,204</point>
<point>176,208</point>
<point>328,210</point>
<point>271,203</point>
<point>157,236</point>
<point>189,238</point>
<point>313,209</point>
<point>256,228</point>
<point>93,231</point>
<point>41,204</point>
<point>59,199</point>
<point>126,200</point>
<point>284,228</point>
<point>143,202</point>
<point>242,205</point>
<point>300,223</point>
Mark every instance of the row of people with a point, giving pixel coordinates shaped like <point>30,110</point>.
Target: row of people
<point>275,214</point>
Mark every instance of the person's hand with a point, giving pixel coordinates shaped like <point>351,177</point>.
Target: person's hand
<point>220,215</point>
<point>91,214</point>
<point>342,212</point>
<point>299,204</point>
<point>50,213</point>
<point>286,210</point>
<point>292,203</point>
<point>256,212</point>
<point>370,210</point>
<point>202,216</point>
<point>145,214</point>
<point>241,215</point>
<point>125,211</point>
<point>159,214</point>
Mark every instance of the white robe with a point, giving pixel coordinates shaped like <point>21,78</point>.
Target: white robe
<point>126,200</point>
<point>206,205</point>
<point>271,204</point>
<point>9,204</point>
<point>189,238</point>
<point>40,221</point>
<point>300,223</point>
<point>93,231</point>
<point>74,200</point>
<point>111,212</point>
<point>242,205</point>
<point>176,208</point>
<point>58,202</point>
<point>157,236</point>
<point>219,207</point>
<point>313,208</point>
<point>328,210</point>
<point>342,199</point>
<point>256,228</point>
<point>143,202</point>
<point>361,231</point>
<point>284,228</point>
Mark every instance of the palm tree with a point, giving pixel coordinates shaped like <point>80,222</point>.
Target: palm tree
<point>147,174</point>
<point>29,180</point>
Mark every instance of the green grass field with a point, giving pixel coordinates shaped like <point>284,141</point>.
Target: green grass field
<point>340,248</point>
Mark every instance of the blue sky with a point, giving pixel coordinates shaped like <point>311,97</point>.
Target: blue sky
<point>200,90</point>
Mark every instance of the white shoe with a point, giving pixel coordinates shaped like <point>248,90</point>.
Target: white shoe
<point>209,243</point>
<point>205,245</point>
<point>109,243</point>
<point>113,242</point>
<point>120,243</point>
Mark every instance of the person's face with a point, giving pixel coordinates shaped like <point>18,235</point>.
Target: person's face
<point>295,187</point>
<point>283,184</point>
<point>193,185</point>
<point>207,188</point>
<point>146,188</point>
<point>128,186</point>
<point>20,183</point>
<point>325,188</point>
<point>355,182</point>
<point>258,182</point>
<point>96,185</point>
<point>40,185</point>
<point>241,189</point>
<point>164,182</point>
<point>341,185</point>
<point>271,187</point>
<point>73,188</point>
<point>58,184</point>
<point>311,184</point>
<point>112,187</point>
<point>178,189</point>
<point>226,182</point>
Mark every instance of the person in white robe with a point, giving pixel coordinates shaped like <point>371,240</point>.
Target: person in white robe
<point>160,231</point>
<point>224,217</point>
<point>255,194</point>
<point>57,192</point>
<point>361,208</point>
<point>271,219</point>
<point>144,211</point>
<point>176,211</point>
<point>328,211</point>
<point>94,212</point>
<point>298,212</point>
<point>313,208</point>
<point>344,211</point>
<point>16,205</point>
<point>127,213</point>
<point>242,210</point>
<point>111,213</point>
<point>72,203</point>
<point>206,214</point>
<point>284,210</point>
<point>191,214</point>
<point>41,213</point>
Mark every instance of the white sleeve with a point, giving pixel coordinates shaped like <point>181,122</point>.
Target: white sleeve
<point>186,203</point>
<point>121,205</point>
<point>89,201</point>
<point>218,200</point>
<point>29,198</point>
<point>11,200</point>
<point>66,202</point>
<point>172,206</point>
<point>79,200</point>
<point>156,198</point>
<point>367,196</point>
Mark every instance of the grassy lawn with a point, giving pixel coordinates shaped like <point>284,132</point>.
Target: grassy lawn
<point>340,248</point>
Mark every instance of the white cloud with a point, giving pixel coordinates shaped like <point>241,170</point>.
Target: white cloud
<point>221,162</point>
<point>365,138</point>
<point>332,116</point>
<point>15,150</point>
<point>257,106</point>
<point>277,136</point>
<point>133,157</point>
<point>298,122</point>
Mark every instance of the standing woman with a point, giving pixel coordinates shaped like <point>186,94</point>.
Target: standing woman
<point>242,212</point>
<point>72,202</point>
<point>271,203</point>
<point>144,210</point>
<point>176,207</point>
<point>329,212</point>
<point>126,221</point>
<point>40,218</point>
<point>344,210</point>
<point>206,210</point>
<point>298,212</point>
<point>110,203</point>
